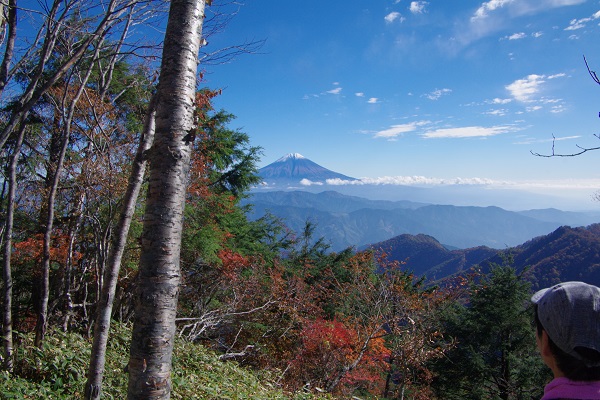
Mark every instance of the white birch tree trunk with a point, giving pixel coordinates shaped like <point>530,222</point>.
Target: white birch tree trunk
<point>158,282</point>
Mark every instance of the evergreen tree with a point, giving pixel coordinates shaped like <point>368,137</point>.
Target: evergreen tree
<point>496,356</point>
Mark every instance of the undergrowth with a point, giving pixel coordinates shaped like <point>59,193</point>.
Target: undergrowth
<point>58,371</point>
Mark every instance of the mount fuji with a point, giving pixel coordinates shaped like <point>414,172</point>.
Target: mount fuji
<point>294,169</point>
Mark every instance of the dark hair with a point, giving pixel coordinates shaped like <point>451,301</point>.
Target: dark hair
<point>573,368</point>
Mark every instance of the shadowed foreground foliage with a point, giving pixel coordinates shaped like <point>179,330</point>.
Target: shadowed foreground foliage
<point>57,371</point>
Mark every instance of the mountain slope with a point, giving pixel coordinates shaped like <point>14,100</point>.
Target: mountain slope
<point>423,255</point>
<point>565,254</point>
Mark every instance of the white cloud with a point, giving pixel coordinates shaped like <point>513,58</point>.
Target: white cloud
<point>437,93</point>
<point>561,75</point>
<point>549,140</point>
<point>522,35</point>
<point>500,101</point>
<point>519,7</point>
<point>467,132</point>
<point>418,7</point>
<point>566,138</point>
<point>567,184</point>
<point>524,89</point>
<point>308,182</point>
<point>335,91</point>
<point>391,17</point>
<point>359,94</point>
<point>533,108</point>
<point>528,89</point>
<point>517,36</point>
<point>411,180</point>
<point>495,16</point>
<point>498,112</point>
<point>397,130</point>
<point>373,100</point>
<point>310,96</point>
<point>575,24</point>
<point>487,7</point>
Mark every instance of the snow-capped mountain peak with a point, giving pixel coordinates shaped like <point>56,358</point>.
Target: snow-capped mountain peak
<point>291,156</point>
<point>294,167</point>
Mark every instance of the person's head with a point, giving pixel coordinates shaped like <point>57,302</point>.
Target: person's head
<point>567,318</point>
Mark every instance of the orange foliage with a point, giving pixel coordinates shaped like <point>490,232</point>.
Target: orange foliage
<point>329,348</point>
<point>232,263</point>
<point>200,160</point>
<point>31,249</point>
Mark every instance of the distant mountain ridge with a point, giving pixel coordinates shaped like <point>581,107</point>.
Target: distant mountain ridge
<point>346,221</point>
<point>293,168</point>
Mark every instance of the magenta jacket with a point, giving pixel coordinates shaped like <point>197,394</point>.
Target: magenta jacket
<point>563,388</point>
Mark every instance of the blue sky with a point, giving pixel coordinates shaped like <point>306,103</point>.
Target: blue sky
<point>422,92</point>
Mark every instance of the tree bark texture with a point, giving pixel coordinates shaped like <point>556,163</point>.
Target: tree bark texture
<point>169,160</point>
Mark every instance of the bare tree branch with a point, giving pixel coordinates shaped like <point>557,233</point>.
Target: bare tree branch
<point>582,149</point>
<point>592,73</point>
<point>578,153</point>
<point>218,18</point>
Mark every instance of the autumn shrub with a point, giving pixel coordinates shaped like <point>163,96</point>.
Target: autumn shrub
<point>332,356</point>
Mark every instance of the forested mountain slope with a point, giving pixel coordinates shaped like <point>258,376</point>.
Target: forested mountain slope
<point>423,255</point>
<point>563,255</point>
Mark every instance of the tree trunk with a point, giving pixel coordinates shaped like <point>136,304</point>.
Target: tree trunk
<point>7,323</point>
<point>54,175</point>
<point>93,386</point>
<point>11,23</point>
<point>159,273</point>
<point>388,378</point>
<point>74,227</point>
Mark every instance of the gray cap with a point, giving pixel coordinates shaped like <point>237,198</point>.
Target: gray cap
<point>570,314</point>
